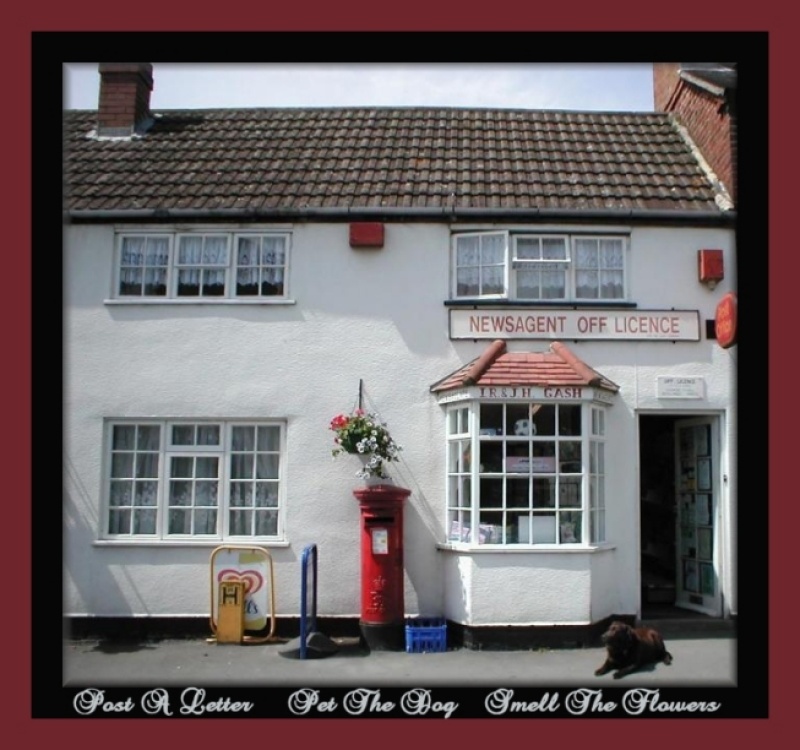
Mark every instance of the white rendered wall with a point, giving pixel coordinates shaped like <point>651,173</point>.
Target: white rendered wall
<point>376,315</point>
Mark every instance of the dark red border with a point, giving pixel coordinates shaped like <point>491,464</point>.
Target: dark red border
<point>16,306</point>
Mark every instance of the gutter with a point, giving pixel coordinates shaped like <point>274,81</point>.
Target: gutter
<point>451,213</point>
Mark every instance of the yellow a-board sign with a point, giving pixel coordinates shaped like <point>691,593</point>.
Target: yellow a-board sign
<point>251,567</point>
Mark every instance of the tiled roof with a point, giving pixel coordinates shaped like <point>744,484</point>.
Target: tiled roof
<point>302,160</point>
<point>496,367</point>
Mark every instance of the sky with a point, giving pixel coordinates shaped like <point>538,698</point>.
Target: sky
<point>621,87</point>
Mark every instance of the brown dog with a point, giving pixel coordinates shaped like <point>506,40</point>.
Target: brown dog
<point>629,649</point>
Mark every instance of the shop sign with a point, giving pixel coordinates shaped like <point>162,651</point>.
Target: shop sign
<point>568,393</point>
<point>725,321</point>
<point>634,325</point>
<point>676,387</point>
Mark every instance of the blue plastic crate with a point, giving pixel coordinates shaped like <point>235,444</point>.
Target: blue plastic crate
<point>426,635</point>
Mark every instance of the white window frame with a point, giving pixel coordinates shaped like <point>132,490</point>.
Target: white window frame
<point>463,481</point>
<point>119,269</point>
<point>261,266</point>
<point>512,264</point>
<point>203,268</point>
<point>516,264</point>
<point>599,238</point>
<point>479,236</point>
<point>229,269</point>
<point>167,450</point>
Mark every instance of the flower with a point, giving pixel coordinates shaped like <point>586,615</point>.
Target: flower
<point>364,434</point>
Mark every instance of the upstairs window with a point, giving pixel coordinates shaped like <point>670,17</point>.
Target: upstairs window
<point>202,265</point>
<point>481,265</point>
<point>210,266</point>
<point>539,267</point>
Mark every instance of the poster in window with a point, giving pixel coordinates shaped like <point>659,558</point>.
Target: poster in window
<point>688,540</point>
<point>703,474</point>
<point>704,544</point>
<point>687,508</point>
<point>690,582</point>
<point>701,440</point>
<point>460,532</point>
<point>686,445</point>
<point>703,510</point>
<point>707,579</point>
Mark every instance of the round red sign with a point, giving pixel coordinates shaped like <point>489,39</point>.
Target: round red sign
<point>725,321</point>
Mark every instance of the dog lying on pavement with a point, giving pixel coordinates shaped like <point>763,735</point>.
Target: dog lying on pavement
<point>629,649</point>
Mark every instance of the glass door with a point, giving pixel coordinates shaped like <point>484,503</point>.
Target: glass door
<point>697,547</point>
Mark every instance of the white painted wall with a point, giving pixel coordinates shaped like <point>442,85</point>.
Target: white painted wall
<point>378,315</point>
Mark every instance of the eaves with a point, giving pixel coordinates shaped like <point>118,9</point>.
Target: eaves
<point>420,214</point>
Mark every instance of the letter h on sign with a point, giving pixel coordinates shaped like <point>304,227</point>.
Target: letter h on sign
<point>230,626</point>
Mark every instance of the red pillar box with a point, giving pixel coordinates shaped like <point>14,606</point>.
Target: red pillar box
<point>382,604</point>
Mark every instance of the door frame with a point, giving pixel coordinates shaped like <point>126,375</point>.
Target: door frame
<point>718,417</point>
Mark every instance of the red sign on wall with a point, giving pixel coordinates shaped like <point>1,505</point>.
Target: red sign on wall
<point>725,321</point>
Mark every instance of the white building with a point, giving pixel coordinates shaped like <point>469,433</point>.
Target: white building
<point>521,287</point>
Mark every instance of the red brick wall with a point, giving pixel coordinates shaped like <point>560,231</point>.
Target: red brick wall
<point>705,117</point>
<point>709,125</point>
<point>665,81</point>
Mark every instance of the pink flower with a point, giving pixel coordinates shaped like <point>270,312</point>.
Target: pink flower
<point>338,422</point>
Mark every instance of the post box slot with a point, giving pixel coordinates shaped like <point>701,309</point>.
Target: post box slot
<point>380,520</point>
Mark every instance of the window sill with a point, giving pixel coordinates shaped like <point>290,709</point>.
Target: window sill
<point>198,301</point>
<point>573,304</point>
<point>210,543</point>
<point>526,548</point>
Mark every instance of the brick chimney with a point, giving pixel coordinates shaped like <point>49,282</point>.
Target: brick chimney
<point>703,99</point>
<point>124,107</point>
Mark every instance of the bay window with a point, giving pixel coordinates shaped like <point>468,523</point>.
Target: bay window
<point>525,473</point>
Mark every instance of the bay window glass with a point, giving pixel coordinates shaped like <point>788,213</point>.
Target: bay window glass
<point>520,473</point>
<point>597,471</point>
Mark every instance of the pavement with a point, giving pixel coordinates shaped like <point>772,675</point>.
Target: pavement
<point>699,660</point>
<point>340,678</point>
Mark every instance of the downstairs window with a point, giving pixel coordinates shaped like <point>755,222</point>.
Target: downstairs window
<point>194,480</point>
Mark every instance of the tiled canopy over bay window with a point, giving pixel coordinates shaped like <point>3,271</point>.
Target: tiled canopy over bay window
<point>525,449</point>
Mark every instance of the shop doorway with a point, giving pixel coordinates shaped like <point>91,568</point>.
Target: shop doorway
<point>679,511</point>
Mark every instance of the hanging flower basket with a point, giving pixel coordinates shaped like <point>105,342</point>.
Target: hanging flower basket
<point>365,435</point>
